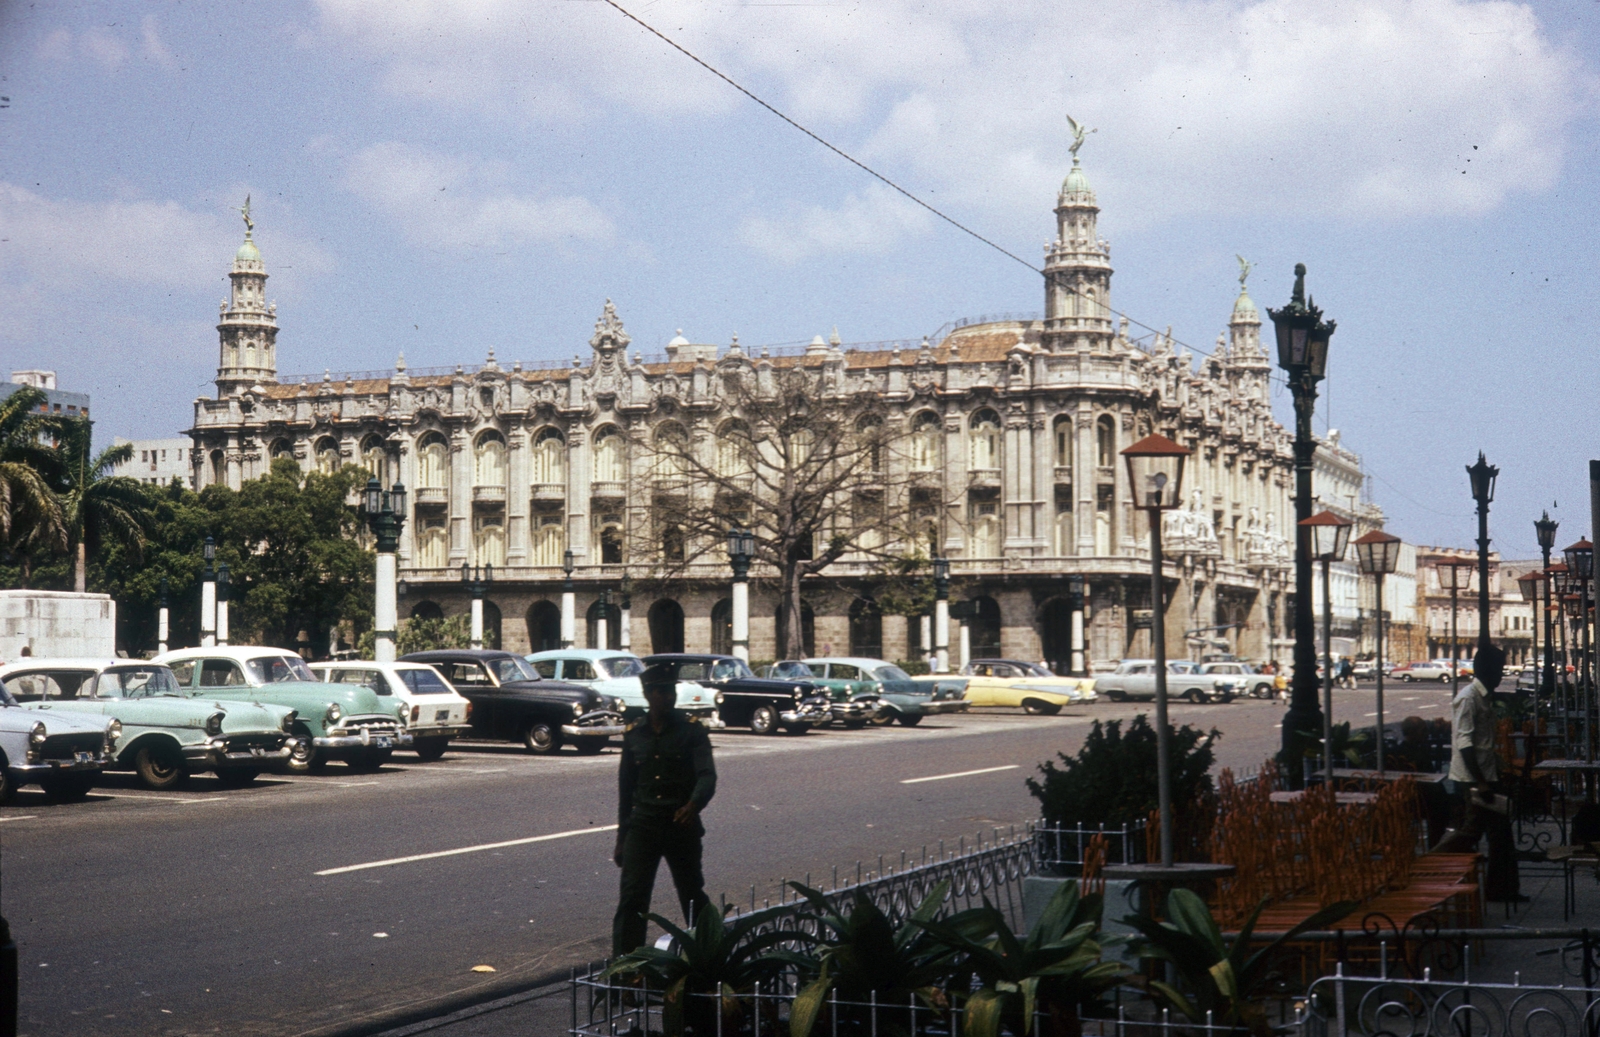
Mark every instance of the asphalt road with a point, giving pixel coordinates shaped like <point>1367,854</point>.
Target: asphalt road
<point>202,911</point>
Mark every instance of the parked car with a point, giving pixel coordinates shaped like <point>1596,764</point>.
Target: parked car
<point>1247,679</point>
<point>1424,671</point>
<point>617,673</point>
<point>762,704</point>
<point>164,735</point>
<point>901,697</point>
<point>61,752</point>
<point>1136,679</point>
<point>1527,680</point>
<point>1012,682</point>
<point>511,702</point>
<point>346,722</point>
<point>437,713</point>
<point>850,706</point>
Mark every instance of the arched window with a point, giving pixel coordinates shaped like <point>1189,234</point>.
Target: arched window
<point>666,626</point>
<point>925,442</point>
<point>984,635</point>
<point>489,459</point>
<point>549,458</point>
<point>1055,634</point>
<point>544,626</point>
<point>375,458</point>
<point>671,457</point>
<point>282,448</point>
<point>489,539</point>
<point>672,542</point>
<point>722,627</point>
<point>1105,441</point>
<point>984,440</point>
<point>427,610</point>
<point>432,462</point>
<point>433,543</point>
<point>1065,534</point>
<point>866,629</point>
<point>549,539</point>
<point>1063,431</point>
<point>608,454</point>
<point>491,624</point>
<point>869,440</point>
<point>327,456</point>
<point>613,618</point>
<point>608,540</point>
<point>733,452</point>
<point>219,468</point>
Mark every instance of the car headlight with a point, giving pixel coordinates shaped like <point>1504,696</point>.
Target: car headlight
<point>113,732</point>
<point>719,698</point>
<point>288,722</point>
<point>400,715</point>
<point>333,714</point>
<point>37,736</point>
<point>577,709</point>
<point>214,723</point>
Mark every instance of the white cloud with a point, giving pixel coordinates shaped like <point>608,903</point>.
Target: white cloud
<point>153,46</point>
<point>448,202</point>
<point>110,51</point>
<point>1356,108</point>
<point>873,221</point>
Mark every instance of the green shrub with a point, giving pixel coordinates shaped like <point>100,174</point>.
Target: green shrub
<point>914,667</point>
<point>1112,779</point>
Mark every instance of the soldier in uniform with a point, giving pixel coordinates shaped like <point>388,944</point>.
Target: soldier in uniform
<point>667,777</point>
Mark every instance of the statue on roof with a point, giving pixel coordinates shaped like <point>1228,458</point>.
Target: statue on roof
<point>1078,133</point>
<point>244,210</point>
<point>1245,266</point>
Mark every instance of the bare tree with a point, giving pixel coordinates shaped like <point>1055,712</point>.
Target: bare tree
<point>810,470</point>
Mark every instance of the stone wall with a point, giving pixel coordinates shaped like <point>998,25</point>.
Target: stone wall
<point>57,624</point>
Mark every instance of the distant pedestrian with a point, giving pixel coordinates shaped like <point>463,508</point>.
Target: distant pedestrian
<point>1346,671</point>
<point>666,778</point>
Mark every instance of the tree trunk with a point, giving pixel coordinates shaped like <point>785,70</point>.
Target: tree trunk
<point>793,632</point>
<point>80,578</point>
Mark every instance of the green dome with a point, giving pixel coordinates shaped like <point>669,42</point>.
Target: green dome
<point>1075,182</point>
<point>1244,306</point>
<point>247,253</point>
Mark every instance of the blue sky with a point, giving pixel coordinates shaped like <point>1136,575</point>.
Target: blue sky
<point>446,177</point>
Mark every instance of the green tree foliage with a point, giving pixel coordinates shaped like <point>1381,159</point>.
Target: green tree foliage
<point>423,635</point>
<point>30,514</point>
<point>1112,779</point>
<point>97,507</point>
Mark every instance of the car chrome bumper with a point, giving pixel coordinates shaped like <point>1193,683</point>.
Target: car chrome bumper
<point>216,754</point>
<point>602,723</point>
<point>82,762</point>
<point>806,715</point>
<point>364,740</point>
<point>945,706</point>
<point>445,731</point>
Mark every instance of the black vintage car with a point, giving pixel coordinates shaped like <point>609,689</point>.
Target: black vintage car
<point>511,701</point>
<point>745,700</point>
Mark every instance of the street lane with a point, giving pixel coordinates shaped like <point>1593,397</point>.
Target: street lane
<point>132,903</point>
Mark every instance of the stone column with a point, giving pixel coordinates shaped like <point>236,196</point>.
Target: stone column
<point>460,513</point>
<point>578,472</point>
<point>518,497</point>
<point>1084,477</point>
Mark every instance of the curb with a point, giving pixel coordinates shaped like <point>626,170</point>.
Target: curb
<point>450,1008</point>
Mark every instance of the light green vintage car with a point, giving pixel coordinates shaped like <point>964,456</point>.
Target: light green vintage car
<point>349,722</point>
<point>164,735</point>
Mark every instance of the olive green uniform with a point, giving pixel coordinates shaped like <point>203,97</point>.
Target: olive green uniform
<point>659,774</point>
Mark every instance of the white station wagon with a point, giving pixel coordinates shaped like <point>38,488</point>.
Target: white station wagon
<point>437,714</point>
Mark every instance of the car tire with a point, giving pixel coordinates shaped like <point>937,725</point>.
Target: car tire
<point>236,777</point>
<point>589,746</point>
<point>1117,695</point>
<point>764,721</point>
<point>855,723</point>
<point>883,718</point>
<point>1035,708</point>
<point>541,739</point>
<point>1193,695</point>
<point>909,719</point>
<point>1405,678</point>
<point>159,768</point>
<point>1261,691</point>
<point>68,788</point>
<point>8,784</point>
<point>430,749</point>
<point>301,756</point>
<point>1445,679</point>
<point>368,760</point>
<point>1226,697</point>
<point>796,729</point>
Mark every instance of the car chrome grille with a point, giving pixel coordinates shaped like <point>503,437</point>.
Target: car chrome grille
<point>245,743</point>
<point>67,747</point>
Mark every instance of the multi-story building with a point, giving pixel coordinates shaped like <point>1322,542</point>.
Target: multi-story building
<point>157,461</point>
<point>1510,618</point>
<point>57,401</point>
<point>1015,428</point>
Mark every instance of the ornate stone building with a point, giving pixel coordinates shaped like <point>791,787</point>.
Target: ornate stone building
<point>1014,429</point>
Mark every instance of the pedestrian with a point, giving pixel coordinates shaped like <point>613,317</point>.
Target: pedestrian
<point>1344,672</point>
<point>666,779</point>
<point>1475,778</point>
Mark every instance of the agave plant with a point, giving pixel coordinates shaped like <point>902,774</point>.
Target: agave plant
<point>865,956</point>
<point>713,959</point>
<point>1222,976</point>
<point>1056,967</point>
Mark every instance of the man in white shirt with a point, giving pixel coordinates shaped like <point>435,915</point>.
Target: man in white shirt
<point>1475,772</point>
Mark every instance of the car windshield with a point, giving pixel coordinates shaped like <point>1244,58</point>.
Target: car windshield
<point>622,666</point>
<point>891,673</point>
<point>424,682</point>
<point>792,668</point>
<point>271,669</point>
<point>512,668</point>
<point>1033,670</point>
<point>136,682</point>
<point>729,669</point>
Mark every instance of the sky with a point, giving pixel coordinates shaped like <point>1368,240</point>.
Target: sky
<point>443,177</point>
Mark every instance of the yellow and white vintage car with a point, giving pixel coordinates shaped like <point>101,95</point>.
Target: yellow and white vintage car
<point>1012,682</point>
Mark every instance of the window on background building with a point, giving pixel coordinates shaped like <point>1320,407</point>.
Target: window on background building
<point>925,442</point>
<point>1102,520</point>
<point>801,442</point>
<point>489,460</point>
<point>984,519</point>
<point>327,456</point>
<point>734,454</point>
<point>983,440</point>
<point>608,454</point>
<point>375,458</point>
<point>549,539</point>
<point>489,539</point>
<point>433,462</point>
<point>670,460</point>
<point>549,458</point>
<point>1105,441</point>
<point>219,468</point>
<point>925,520</point>
<point>280,448</point>
<point>1065,531</point>
<point>433,543</point>
<point>867,515</point>
<point>608,540</point>
<point>672,543</point>
<point>1064,441</point>
<point>869,438</point>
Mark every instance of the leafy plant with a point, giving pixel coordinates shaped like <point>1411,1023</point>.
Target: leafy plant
<point>710,959</point>
<point>1346,746</point>
<point>1056,966</point>
<point>1112,779</point>
<point>1223,976</point>
<point>423,635</point>
<point>867,955</point>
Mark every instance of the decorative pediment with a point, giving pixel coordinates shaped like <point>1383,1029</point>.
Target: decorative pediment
<point>609,335</point>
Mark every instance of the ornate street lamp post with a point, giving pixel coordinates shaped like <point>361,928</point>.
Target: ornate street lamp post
<point>1580,566</point>
<point>741,550</point>
<point>208,597</point>
<point>1155,472</point>
<point>1329,535</point>
<point>1557,571</point>
<point>385,512</point>
<point>1303,354</point>
<point>1483,476</point>
<point>941,615</point>
<point>569,604</point>
<point>224,584</point>
<point>161,619</point>
<point>1545,529</point>
<point>1455,575</point>
<point>477,579</point>
<point>1379,555</point>
<point>1528,583</point>
<point>625,622</point>
<point>1075,665</point>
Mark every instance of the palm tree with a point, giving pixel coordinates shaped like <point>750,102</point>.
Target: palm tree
<point>95,504</point>
<point>30,513</point>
